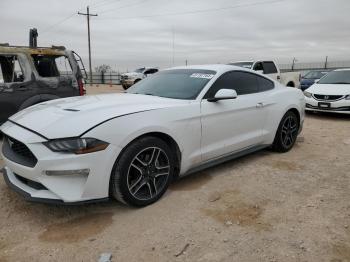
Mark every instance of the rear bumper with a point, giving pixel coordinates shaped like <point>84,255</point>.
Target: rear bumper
<point>38,195</point>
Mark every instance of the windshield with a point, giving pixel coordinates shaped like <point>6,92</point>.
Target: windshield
<point>336,77</point>
<point>247,65</point>
<point>176,83</point>
<point>139,70</point>
<point>315,75</point>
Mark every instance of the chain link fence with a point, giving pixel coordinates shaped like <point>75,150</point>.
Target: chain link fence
<point>110,78</point>
<point>314,66</point>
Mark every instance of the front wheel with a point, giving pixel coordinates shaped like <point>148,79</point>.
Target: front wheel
<point>143,172</point>
<point>287,133</point>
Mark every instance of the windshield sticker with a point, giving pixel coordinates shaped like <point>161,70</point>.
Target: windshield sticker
<point>199,75</point>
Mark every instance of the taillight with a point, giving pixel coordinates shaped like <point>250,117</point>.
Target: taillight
<point>82,90</point>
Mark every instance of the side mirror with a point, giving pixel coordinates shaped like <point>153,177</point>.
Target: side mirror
<point>223,94</point>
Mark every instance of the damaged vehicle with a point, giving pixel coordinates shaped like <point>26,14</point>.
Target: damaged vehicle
<point>29,76</point>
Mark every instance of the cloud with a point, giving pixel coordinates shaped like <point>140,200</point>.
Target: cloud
<point>280,30</point>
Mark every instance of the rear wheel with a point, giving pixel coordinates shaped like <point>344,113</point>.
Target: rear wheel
<point>287,133</point>
<point>143,172</point>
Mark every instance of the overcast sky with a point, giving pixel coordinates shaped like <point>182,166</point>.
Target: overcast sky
<point>132,33</point>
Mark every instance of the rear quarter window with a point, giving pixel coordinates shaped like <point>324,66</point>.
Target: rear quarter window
<point>52,66</point>
<point>264,84</point>
<point>270,68</point>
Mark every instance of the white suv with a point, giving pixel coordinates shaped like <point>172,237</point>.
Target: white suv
<point>128,79</point>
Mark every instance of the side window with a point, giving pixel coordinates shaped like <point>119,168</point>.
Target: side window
<point>10,69</point>
<point>244,83</point>
<point>264,84</point>
<point>258,67</point>
<point>151,71</point>
<point>63,66</point>
<point>270,68</point>
<point>52,66</point>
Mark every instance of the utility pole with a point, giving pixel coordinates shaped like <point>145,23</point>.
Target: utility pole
<point>293,64</point>
<point>173,33</point>
<point>89,41</point>
<point>325,64</point>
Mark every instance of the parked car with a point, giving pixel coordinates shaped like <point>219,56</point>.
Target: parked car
<point>311,77</point>
<point>131,145</point>
<point>331,93</point>
<point>270,68</point>
<point>32,75</point>
<point>129,79</point>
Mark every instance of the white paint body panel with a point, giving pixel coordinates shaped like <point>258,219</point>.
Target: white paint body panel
<point>202,130</point>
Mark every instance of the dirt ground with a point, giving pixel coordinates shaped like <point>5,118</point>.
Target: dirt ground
<point>262,207</point>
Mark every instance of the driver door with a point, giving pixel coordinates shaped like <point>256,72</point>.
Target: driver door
<point>232,125</point>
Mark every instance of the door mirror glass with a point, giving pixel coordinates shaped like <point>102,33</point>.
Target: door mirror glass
<point>223,94</point>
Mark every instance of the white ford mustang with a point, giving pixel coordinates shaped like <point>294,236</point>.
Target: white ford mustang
<point>130,146</point>
<point>331,93</point>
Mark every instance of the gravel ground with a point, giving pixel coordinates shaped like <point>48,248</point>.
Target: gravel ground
<point>262,207</point>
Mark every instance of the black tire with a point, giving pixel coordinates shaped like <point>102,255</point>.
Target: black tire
<point>287,133</point>
<point>135,184</point>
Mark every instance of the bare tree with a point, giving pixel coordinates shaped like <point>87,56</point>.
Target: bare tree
<point>102,68</point>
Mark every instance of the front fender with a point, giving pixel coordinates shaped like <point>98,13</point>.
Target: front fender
<point>182,124</point>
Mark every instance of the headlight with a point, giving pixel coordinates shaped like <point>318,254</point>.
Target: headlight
<point>307,94</point>
<point>76,145</point>
<point>347,97</point>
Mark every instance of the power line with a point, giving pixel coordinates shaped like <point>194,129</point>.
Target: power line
<point>58,23</point>
<point>105,2</point>
<point>96,4</point>
<point>123,6</point>
<point>195,11</point>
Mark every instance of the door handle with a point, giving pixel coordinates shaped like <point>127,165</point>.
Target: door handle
<point>259,105</point>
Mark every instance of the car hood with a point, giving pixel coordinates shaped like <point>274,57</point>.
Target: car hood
<point>73,116</point>
<point>307,81</point>
<point>329,89</point>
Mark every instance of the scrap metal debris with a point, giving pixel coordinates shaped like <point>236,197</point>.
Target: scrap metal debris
<point>105,257</point>
<point>183,251</point>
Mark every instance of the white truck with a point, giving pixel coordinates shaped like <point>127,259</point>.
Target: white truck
<point>270,69</point>
<point>128,79</point>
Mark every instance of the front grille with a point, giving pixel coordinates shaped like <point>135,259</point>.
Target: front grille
<point>327,97</point>
<point>18,152</point>
<point>342,108</point>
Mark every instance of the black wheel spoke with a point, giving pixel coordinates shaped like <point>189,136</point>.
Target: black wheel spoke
<point>137,189</point>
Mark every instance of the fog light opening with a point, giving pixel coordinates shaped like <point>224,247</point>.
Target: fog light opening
<point>84,172</point>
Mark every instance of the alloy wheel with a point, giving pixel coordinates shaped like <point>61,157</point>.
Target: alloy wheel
<point>148,173</point>
<point>289,131</point>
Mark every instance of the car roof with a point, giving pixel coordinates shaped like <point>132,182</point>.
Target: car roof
<point>219,68</point>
